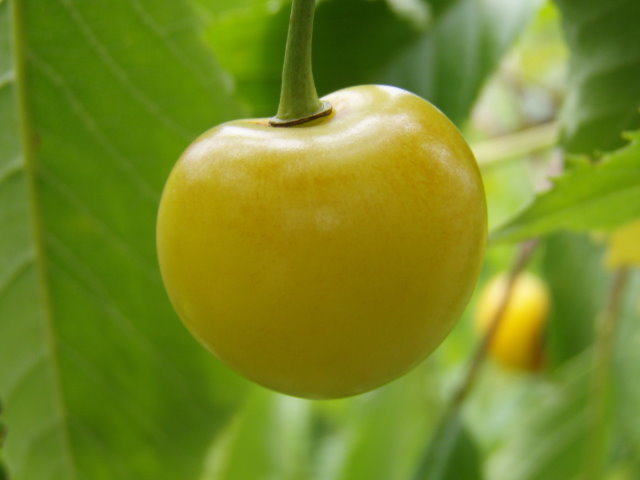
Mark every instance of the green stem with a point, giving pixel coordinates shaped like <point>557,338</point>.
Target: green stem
<point>299,102</point>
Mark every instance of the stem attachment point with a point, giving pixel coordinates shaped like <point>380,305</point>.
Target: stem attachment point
<point>325,110</point>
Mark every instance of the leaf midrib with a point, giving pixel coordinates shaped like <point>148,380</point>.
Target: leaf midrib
<point>28,154</point>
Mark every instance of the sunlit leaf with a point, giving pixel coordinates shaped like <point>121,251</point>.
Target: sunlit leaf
<point>588,197</point>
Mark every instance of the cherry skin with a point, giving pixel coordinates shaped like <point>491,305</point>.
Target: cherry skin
<point>326,259</point>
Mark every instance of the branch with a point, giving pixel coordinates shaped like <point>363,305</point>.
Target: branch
<point>518,144</point>
<point>520,262</point>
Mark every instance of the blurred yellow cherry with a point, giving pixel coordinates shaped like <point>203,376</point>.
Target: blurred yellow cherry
<point>624,246</point>
<point>519,340</point>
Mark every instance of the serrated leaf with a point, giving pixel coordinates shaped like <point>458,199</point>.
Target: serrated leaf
<point>589,197</point>
<point>99,379</point>
<point>452,453</point>
<point>604,73</point>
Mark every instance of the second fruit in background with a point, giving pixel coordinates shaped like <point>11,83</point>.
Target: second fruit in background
<point>518,343</point>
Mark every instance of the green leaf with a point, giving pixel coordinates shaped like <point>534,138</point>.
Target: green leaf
<point>604,73</point>
<point>445,58</point>
<point>352,38</point>
<point>99,378</point>
<point>383,432</point>
<point>572,268</point>
<point>268,439</point>
<point>452,453</point>
<point>597,196</point>
<point>3,435</point>
<point>450,61</point>
<point>627,370</point>
<point>558,432</point>
<point>249,42</point>
<point>438,7</point>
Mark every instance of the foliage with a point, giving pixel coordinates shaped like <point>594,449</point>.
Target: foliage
<point>452,453</point>
<point>360,42</point>
<point>89,135</point>
<point>604,82</point>
<point>588,197</point>
<point>98,378</point>
<point>563,418</point>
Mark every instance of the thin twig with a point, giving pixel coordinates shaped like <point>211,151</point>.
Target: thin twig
<point>524,255</point>
<point>517,144</point>
<point>521,260</point>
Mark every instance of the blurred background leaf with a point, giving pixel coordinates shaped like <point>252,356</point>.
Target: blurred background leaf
<point>268,439</point>
<point>451,59</point>
<point>603,95</point>
<point>381,434</point>
<point>579,421</point>
<point>352,38</point>
<point>572,266</point>
<point>452,453</point>
<point>626,374</point>
<point>444,52</point>
<point>552,436</point>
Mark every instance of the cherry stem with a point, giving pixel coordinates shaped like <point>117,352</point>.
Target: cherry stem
<point>299,102</point>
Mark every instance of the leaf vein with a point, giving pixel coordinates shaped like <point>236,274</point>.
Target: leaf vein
<point>92,284</point>
<point>64,191</point>
<point>42,286</point>
<point>92,126</point>
<point>7,78</point>
<point>120,73</point>
<point>17,268</point>
<point>22,375</point>
<point>168,41</point>
<point>11,169</point>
